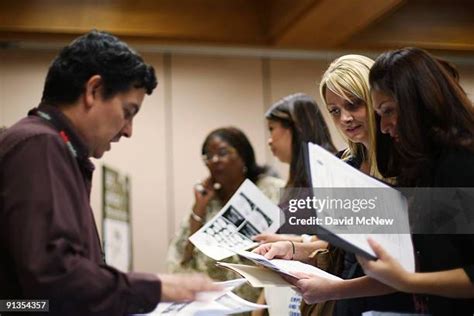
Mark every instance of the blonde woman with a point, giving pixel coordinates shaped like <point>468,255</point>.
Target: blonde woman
<point>345,92</point>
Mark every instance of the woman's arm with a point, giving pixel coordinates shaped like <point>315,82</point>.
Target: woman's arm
<point>284,250</point>
<point>316,289</point>
<point>453,283</point>
<point>450,283</point>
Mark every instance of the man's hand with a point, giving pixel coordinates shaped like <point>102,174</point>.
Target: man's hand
<point>184,287</point>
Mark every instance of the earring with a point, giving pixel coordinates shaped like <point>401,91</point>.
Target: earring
<point>244,170</point>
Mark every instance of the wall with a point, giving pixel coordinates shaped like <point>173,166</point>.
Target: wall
<point>195,94</point>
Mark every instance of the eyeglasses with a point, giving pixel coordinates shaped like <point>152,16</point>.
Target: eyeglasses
<point>221,153</point>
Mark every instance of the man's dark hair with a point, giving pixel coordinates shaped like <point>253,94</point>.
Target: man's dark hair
<point>96,53</point>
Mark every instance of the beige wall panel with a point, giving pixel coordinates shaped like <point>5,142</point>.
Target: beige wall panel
<point>210,92</point>
<point>291,76</point>
<point>142,157</point>
<point>22,75</point>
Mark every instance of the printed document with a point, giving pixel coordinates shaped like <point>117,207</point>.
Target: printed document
<point>328,171</point>
<point>268,273</point>
<point>248,213</point>
<point>210,303</point>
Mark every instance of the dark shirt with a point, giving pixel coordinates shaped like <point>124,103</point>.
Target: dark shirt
<point>438,252</point>
<point>49,245</point>
<point>400,302</point>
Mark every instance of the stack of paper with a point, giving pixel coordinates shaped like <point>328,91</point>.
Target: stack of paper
<point>268,273</point>
<point>210,303</point>
<point>248,213</point>
<point>327,171</point>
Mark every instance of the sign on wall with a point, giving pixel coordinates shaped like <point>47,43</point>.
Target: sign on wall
<point>116,220</point>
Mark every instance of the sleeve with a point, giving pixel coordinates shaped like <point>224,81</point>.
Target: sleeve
<point>470,272</point>
<point>174,260</point>
<point>457,171</point>
<point>46,237</point>
<point>468,247</point>
<point>271,187</point>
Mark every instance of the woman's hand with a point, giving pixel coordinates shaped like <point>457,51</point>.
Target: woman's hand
<point>315,289</point>
<point>203,193</point>
<point>272,237</point>
<point>279,249</point>
<point>385,269</point>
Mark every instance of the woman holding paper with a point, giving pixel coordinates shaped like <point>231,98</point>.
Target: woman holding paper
<point>292,121</point>
<point>346,94</point>
<point>431,122</point>
<point>230,159</point>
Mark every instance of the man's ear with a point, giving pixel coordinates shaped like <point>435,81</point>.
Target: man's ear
<point>93,90</point>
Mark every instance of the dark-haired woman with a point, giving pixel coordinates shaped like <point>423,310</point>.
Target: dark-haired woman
<point>431,121</point>
<point>230,159</point>
<point>293,121</point>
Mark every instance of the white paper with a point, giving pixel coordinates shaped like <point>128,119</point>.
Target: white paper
<point>327,171</point>
<point>257,276</point>
<point>293,266</point>
<point>375,313</point>
<point>249,212</point>
<point>210,303</point>
<point>117,243</point>
<point>284,267</point>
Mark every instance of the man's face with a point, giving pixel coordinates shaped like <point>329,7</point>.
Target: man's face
<point>112,119</point>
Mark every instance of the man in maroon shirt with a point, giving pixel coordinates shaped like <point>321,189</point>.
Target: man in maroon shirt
<point>49,246</point>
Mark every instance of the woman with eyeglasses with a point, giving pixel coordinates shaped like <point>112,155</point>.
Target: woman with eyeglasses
<point>230,159</point>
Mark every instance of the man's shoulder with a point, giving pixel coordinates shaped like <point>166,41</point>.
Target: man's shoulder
<point>24,130</point>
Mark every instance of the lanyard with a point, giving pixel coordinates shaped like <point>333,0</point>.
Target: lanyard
<point>62,132</point>
<point>72,141</point>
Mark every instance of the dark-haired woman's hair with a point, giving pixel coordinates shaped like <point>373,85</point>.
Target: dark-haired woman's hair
<point>300,113</point>
<point>434,113</point>
<point>237,139</point>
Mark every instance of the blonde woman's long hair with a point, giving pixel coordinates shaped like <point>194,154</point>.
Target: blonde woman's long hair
<point>348,77</point>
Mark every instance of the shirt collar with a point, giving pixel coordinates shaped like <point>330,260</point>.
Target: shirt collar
<point>67,132</point>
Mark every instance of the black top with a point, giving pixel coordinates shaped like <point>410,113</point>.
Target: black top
<point>438,252</point>
<point>400,302</point>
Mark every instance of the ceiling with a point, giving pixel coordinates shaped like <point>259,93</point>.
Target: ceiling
<point>312,25</point>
